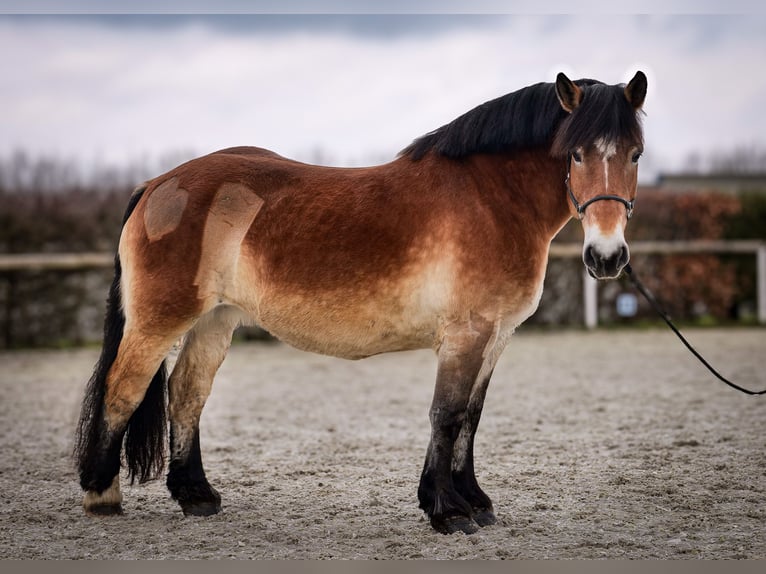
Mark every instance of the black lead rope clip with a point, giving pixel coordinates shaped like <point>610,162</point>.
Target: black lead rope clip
<point>654,303</point>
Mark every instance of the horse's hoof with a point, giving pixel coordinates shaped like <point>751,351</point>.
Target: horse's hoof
<point>108,502</point>
<point>485,517</point>
<point>104,510</point>
<point>452,524</point>
<point>201,508</point>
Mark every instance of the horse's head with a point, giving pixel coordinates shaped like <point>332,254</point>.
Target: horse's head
<point>602,140</point>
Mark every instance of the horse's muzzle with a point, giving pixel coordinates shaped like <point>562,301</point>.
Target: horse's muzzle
<point>602,265</point>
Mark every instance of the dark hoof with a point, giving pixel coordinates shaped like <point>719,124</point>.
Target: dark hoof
<point>196,498</point>
<point>452,524</point>
<point>201,508</point>
<point>485,517</point>
<point>104,510</point>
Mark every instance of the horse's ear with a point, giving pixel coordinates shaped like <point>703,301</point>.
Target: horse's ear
<point>635,91</point>
<point>568,93</point>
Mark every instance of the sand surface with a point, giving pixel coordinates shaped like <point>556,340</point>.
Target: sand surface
<point>607,444</point>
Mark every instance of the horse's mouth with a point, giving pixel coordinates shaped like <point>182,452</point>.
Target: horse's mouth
<point>603,275</point>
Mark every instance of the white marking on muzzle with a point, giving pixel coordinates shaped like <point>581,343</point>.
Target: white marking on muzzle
<point>604,245</point>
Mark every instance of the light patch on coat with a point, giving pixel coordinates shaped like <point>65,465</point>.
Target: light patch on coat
<point>234,208</point>
<point>432,288</point>
<point>164,209</point>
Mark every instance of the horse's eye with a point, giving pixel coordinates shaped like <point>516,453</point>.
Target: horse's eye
<point>636,156</point>
<point>577,157</point>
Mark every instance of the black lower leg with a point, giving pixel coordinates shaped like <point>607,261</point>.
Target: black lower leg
<point>447,510</point>
<point>461,356</point>
<point>468,487</point>
<point>187,482</point>
<point>463,473</point>
<point>99,466</point>
<point>100,462</point>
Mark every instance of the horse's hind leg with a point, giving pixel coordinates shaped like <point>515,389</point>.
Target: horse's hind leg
<point>137,367</point>
<point>461,364</point>
<point>203,352</point>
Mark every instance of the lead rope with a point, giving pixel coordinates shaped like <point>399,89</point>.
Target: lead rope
<point>653,301</point>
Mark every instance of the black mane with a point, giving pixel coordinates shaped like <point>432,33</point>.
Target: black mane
<point>532,117</point>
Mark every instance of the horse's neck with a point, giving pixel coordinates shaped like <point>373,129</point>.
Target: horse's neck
<point>532,183</point>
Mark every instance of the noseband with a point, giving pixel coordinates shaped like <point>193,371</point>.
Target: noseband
<point>580,207</point>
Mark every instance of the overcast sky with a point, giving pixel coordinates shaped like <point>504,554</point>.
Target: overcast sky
<point>115,89</point>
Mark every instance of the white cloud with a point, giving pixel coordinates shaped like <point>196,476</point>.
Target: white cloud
<point>89,90</point>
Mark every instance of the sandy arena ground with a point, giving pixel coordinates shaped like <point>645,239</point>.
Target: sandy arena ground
<point>592,445</point>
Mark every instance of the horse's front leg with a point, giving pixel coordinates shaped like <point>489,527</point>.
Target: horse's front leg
<point>462,361</point>
<point>463,473</point>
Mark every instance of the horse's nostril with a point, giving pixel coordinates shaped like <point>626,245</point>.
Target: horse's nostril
<point>623,257</point>
<point>588,257</point>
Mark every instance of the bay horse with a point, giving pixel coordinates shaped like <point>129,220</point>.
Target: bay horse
<point>445,247</point>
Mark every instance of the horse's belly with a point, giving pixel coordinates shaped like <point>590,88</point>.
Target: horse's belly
<point>353,331</point>
<point>357,318</point>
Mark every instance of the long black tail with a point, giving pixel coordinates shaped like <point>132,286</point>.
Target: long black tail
<point>146,433</point>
